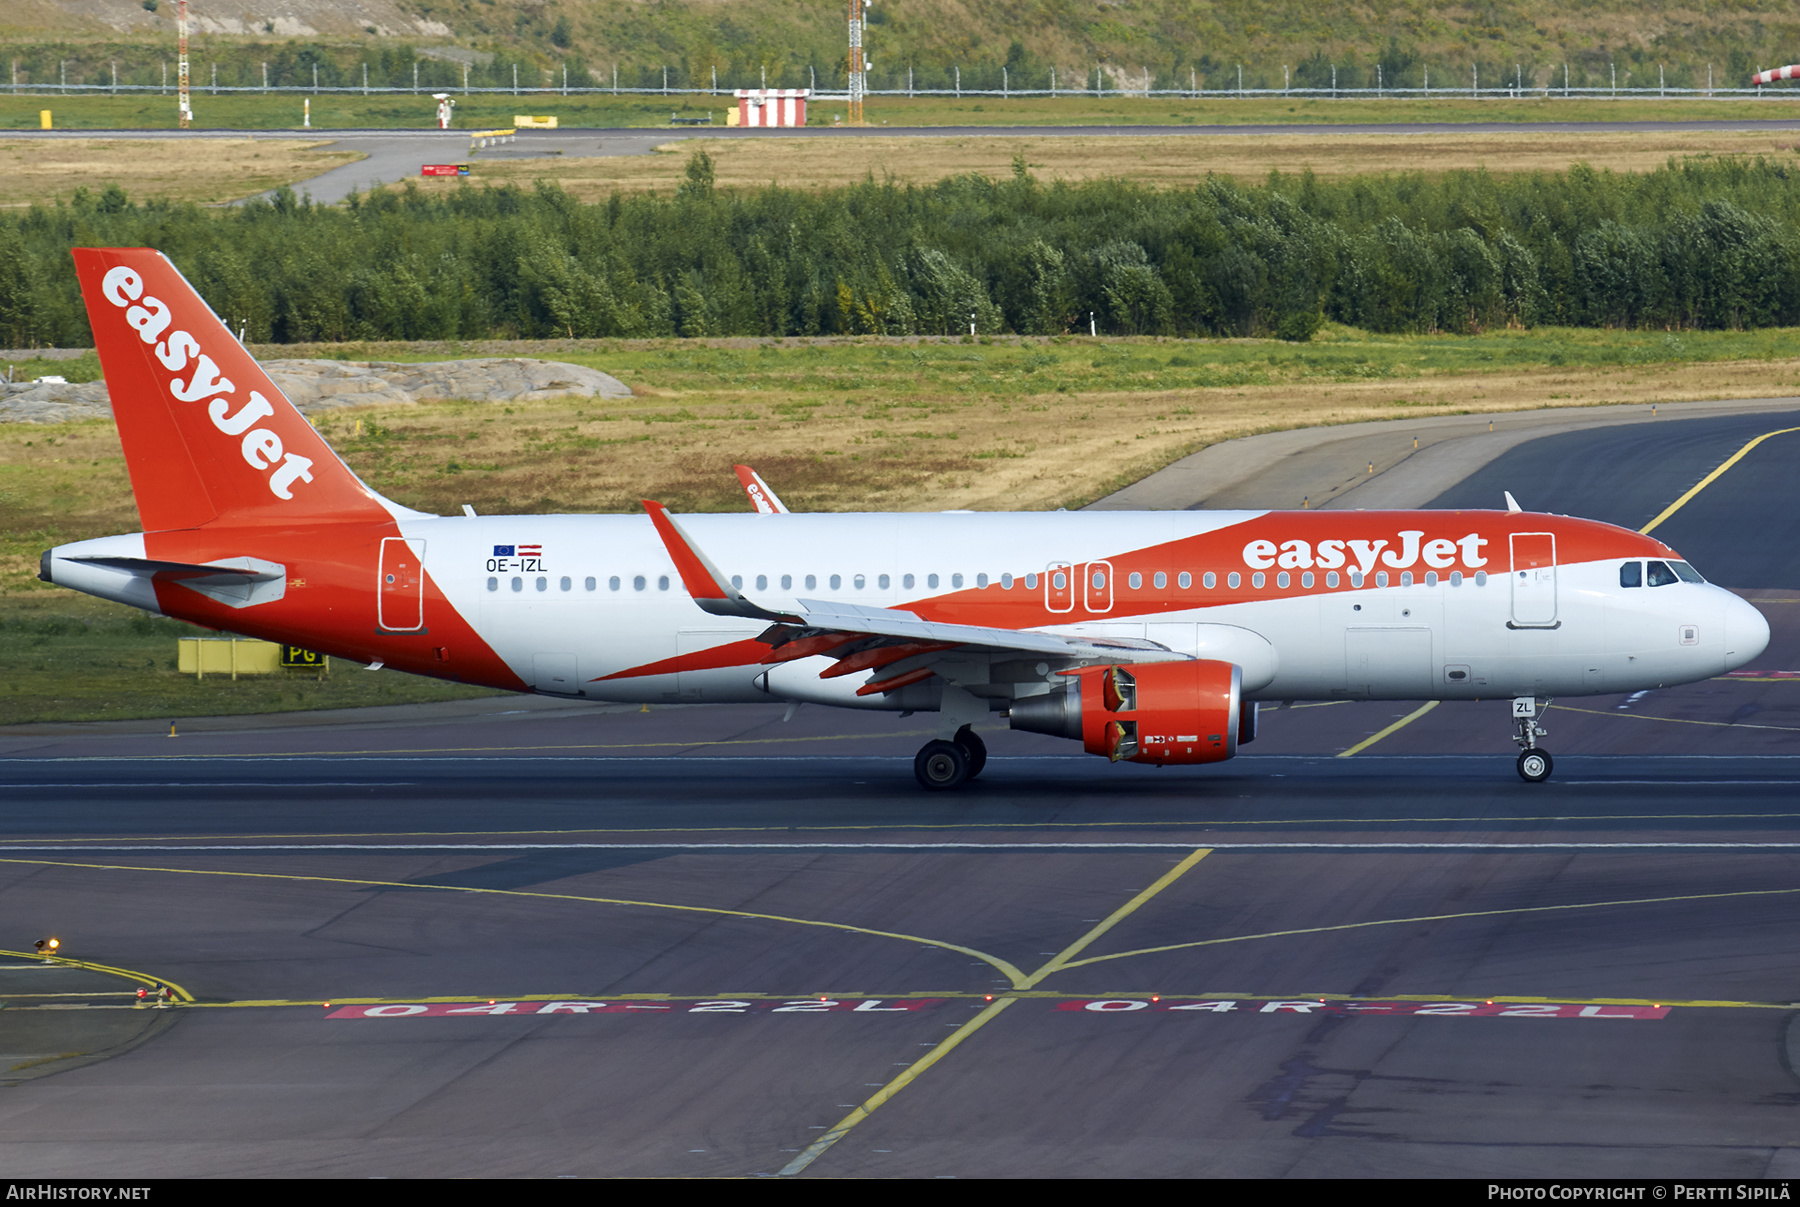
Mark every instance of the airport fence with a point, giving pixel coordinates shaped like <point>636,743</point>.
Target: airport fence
<point>1472,91</point>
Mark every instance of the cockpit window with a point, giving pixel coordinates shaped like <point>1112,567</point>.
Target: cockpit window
<point>1631,574</point>
<point>1688,573</point>
<point>1661,575</point>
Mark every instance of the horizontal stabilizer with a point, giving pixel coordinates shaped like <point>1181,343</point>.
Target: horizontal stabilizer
<point>244,567</point>
<point>236,582</point>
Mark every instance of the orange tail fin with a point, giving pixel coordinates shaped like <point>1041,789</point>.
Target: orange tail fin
<point>206,433</point>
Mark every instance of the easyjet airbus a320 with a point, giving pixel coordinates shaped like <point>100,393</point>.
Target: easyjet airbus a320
<point>1146,637</point>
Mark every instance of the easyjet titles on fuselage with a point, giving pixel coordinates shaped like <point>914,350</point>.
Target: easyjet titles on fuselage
<point>1438,554</point>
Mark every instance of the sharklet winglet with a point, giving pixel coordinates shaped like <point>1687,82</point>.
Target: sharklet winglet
<point>710,589</point>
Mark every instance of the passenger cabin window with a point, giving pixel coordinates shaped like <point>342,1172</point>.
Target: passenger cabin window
<point>1233,579</point>
<point>493,584</point>
<point>956,580</point>
<point>1161,580</point>
<point>590,584</point>
<point>1631,574</point>
<point>566,583</point>
<point>787,582</point>
<point>1136,580</point>
<point>612,584</point>
<point>812,582</point>
<point>637,584</point>
<point>906,582</point>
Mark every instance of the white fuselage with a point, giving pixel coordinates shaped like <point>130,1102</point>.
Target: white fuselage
<point>603,595</point>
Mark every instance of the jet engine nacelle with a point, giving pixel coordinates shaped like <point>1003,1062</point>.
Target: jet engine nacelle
<point>1150,712</point>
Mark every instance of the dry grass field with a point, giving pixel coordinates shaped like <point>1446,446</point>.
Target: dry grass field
<point>216,171</point>
<point>1168,160</point>
<point>857,448</point>
<point>208,171</point>
<point>828,441</point>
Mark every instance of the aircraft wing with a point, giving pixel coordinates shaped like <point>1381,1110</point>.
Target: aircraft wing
<point>876,639</point>
<point>830,616</point>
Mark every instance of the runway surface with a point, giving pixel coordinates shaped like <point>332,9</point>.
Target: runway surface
<point>705,941</point>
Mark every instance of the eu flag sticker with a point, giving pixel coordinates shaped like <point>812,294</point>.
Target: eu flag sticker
<point>503,551</point>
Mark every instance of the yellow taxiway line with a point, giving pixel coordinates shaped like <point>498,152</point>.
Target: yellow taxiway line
<point>1709,479</point>
<point>1057,962</point>
<point>1402,723</point>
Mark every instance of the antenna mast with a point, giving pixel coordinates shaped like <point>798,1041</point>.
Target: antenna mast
<point>858,66</point>
<point>181,63</point>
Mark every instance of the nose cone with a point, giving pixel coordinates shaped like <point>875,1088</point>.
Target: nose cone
<point>1746,633</point>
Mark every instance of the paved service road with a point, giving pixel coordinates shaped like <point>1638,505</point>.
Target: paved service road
<point>705,941</point>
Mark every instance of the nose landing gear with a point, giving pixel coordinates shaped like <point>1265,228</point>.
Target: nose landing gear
<point>940,766</point>
<point>1534,764</point>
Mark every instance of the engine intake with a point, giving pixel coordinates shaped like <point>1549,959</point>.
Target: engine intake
<point>1152,712</point>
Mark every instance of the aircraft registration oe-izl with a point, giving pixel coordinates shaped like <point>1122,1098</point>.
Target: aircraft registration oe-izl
<point>1148,637</point>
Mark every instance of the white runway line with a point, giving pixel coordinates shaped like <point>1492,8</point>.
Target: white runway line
<point>127,846</point>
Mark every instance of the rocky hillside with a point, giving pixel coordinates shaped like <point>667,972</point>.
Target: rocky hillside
<point>745,42</point>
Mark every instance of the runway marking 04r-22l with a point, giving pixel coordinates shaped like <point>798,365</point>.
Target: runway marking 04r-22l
<point>1155,1003</point>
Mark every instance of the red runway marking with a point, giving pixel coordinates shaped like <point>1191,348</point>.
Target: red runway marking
<point>1315,1006</point>
<point>572,1006</point>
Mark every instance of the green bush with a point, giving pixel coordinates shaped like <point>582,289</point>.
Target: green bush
<point>1703,244</point>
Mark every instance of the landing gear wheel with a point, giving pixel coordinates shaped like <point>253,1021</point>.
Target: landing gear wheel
<point>976,749</point>
<point>1535,765</point>
<point>940,766</point>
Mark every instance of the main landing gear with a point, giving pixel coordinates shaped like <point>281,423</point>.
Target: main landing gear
<point>1535,764</point>
<point>943,765</point>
